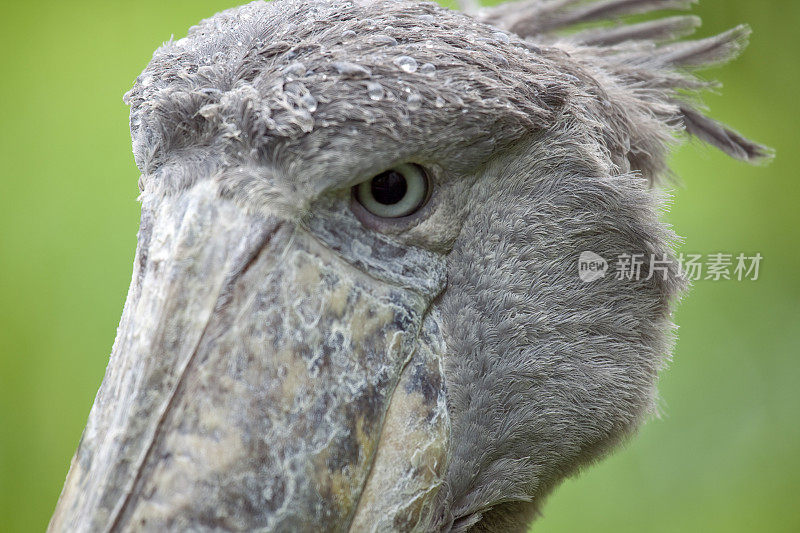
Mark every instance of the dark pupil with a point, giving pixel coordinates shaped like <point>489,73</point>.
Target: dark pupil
<point>389,188</point>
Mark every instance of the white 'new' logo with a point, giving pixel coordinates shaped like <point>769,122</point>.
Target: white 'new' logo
<point>591,266</point>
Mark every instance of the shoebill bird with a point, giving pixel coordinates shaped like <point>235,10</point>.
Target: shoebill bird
<point>355,301</point>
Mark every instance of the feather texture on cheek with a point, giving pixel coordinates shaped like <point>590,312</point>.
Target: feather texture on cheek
<point>546,372</point>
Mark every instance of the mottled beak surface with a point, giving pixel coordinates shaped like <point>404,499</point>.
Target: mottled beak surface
<point>259,380</point>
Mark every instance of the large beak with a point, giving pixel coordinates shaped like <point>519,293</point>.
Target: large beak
<point>259,381</point>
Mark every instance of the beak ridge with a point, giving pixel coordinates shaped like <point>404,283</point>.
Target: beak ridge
<point>257,381</point>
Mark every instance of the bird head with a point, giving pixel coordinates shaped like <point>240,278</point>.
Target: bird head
<point>355,301</point>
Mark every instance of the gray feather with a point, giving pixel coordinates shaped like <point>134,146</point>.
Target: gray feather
<point>535,17</point>
<point>665,29</point>
<point>717,134</point>
<point>705,52</point>
<point>630,55</point>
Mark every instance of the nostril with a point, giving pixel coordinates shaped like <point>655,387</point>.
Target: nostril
<point>254,246</point>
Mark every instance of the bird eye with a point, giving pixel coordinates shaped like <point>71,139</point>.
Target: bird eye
<point>395,193</point>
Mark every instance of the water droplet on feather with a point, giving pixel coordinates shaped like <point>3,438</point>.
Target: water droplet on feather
<point>500,59</point>
<point>406,63</point>
<point>296,69</point>
<point>429,69</point>
<point>351,70</point>
<point>374,90</point>
<point>500,36</point>
<point>384,40</point>
<point>310,102</point>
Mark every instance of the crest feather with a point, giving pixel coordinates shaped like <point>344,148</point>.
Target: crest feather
<point>533,18</point>
<point>649,68</point>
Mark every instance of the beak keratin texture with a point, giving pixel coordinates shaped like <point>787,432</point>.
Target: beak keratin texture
<point>259,380</point>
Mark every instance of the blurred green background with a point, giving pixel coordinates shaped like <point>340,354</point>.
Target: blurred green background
<point>725,456</point>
